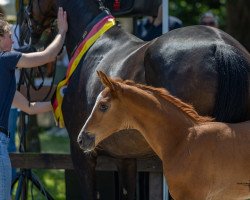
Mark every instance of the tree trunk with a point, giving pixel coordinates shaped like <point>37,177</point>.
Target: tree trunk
<point>238,21</point>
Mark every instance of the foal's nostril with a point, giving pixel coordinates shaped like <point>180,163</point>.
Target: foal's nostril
<point>79,140</point>
<point>86,141</point>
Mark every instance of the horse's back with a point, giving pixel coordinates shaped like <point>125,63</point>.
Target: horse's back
<point>187,61</point>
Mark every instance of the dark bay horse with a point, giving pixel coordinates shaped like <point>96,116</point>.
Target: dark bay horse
<point>201,65</point>
<point>201,160</point>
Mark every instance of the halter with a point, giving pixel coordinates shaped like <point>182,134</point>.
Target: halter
<point>101,6</point>
<point>34,24</point>
<point>27,75</point>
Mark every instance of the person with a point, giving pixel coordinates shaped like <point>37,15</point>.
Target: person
<point>9,60</point>
<point>150,28</point>
<point>209,19</point>
<point>12,125</point>
<point>14,112</point>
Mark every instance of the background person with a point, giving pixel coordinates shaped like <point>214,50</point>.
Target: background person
<point>150,28</point>
<point>209,19</point>
<point>9,60</point>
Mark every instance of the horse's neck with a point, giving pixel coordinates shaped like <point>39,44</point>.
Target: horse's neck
<point>80,14</point>
<point>163,125</point>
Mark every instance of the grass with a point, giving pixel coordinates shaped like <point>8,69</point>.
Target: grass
<point>54,144</point>
<point>52,180</point>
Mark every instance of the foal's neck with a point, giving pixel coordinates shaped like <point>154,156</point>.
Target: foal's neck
<point>163,125</point>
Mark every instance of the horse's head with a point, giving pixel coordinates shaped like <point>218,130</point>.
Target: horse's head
<point>40,16</point>
<point>39,20</point>
<point>107,116</point>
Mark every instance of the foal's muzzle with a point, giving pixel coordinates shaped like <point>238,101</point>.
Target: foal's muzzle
<point>86,141</point>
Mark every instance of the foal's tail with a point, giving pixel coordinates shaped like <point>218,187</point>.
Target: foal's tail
<point>232,94</point>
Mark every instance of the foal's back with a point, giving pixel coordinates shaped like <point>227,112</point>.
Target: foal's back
<point>223,154</point>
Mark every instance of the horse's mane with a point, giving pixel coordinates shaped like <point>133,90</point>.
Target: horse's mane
<point>163,93</point>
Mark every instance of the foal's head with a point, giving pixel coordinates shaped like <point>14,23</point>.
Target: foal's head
<point>108,115</point>
<point>115,109</point>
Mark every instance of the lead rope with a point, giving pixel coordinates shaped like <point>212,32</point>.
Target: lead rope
<point>27,75</point>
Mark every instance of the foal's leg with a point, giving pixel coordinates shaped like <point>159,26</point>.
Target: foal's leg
<point>127,178</point>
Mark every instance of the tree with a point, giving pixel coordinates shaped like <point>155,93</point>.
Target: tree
<point>238,21</point>
<point>189,11</point>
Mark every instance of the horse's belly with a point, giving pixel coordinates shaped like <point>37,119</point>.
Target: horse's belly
<point>128,144</point>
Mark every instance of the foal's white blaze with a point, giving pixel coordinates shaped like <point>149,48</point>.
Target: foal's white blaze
<point>96,102</point>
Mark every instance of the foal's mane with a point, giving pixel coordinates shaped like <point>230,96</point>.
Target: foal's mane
<point>164,94</point>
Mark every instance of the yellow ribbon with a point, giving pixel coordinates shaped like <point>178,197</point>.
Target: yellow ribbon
<point>80,51</point>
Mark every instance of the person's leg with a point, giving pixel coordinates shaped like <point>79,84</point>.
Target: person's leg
<point>12,128</point>
<point>5,168</point>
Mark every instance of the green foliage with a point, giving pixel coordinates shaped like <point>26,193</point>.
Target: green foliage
<point>54,144</point>
<point>52,180</point>
<point>189,11</point>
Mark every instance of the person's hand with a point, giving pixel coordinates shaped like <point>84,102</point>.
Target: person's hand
<point>62,23</point>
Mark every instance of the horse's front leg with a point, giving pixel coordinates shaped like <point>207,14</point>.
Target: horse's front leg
<point>84,165</point>
<point>127,178</point>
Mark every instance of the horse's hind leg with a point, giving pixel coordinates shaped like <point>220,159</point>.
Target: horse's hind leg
<point>127,178</point>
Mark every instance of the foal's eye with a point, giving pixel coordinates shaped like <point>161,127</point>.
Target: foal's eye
<point>103,107</point>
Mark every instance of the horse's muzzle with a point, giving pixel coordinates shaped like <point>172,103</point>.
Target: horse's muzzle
<point>86,141</point>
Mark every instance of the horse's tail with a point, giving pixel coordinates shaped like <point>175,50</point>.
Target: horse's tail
<point>232,94</point>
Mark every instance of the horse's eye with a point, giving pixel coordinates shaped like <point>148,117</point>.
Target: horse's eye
<point>103,107</point>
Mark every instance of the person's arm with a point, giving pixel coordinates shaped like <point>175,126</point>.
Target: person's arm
<point>158,19</point>
<point>22,103</point>
<point>29,60</point>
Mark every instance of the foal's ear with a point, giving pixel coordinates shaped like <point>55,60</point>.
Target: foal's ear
<point>106,81</point>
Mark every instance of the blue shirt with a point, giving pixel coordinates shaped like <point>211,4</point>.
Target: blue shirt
<point>8,62</point>
<point>147,31</point>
